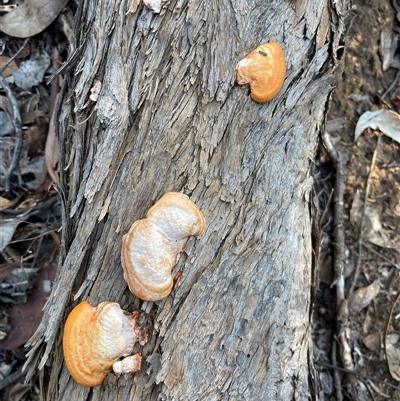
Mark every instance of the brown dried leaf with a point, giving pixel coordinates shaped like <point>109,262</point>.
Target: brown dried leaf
<point>6,269</point>
<point>57,241</point>
<point>10,68</point>
<point>5,203</point>
<point>30,18</point>
<point>25,318</point>
<point>35,137</point>
<point>373,341</point>
<point>28,203</point>
<point>363,296</point>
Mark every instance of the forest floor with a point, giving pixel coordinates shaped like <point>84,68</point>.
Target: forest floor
<point>363,335</point>
<point>356,322</point>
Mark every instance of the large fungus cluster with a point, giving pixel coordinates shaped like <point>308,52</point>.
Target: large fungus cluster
<point>100,339</point>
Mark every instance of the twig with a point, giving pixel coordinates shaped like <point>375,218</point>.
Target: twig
<point>360,241</point>
<point>338,231</point>
<point>336,376</point>
<point>14,165</point>
<point>381,256</point>
<point>339,280</point>
<point>2,69</point>
<point>394,83</point>
<point>358,374</point>
<point>328,203</point>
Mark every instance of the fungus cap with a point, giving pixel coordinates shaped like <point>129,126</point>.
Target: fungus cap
<point>151,247</point>
<point>264,69</point>
<point>95,337</point>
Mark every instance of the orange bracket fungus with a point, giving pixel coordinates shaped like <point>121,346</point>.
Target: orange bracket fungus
<point>151,247</point>
<point>97,337</point>
<point>264,69</point>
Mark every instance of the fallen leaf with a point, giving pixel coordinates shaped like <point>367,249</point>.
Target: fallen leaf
<point>393,354</point>
<point>373,341</point>
<point>387,48</point>
<point>6,203</point>
<point>6,126</point>
<point>372,228</point>
<point>392,341</point>
<point>6,269</point>
<point>363,296</point>
<point>8,228</point>
<point>24,318</point>
<point>28,203</point>
<point>5,105</point>
<point>10,68</point>
<point>31,72</point>
<point>386,121</point>
<point>35,138</point>
<point>31,17</point>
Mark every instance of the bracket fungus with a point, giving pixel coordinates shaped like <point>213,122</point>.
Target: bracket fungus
<point>97,337</point>
<point>264,69</point>
<point>151,247</point>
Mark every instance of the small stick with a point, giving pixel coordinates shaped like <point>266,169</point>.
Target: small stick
<point>338,216</point>
<point>339,280</point>
<point>360,241</point>
<point>336,376</point>
<point>14,165</point>
<point>394,83</point>
<point>328,203</point>
<point>381,256</point>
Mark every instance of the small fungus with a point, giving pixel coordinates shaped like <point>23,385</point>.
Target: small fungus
<point>97,337</point>
<point>264,69</point>
<point>151,247</point>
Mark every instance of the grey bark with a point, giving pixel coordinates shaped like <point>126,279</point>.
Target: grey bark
<point>170,118</point>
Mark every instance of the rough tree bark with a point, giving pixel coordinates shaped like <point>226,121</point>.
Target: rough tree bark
<point>169,117</point>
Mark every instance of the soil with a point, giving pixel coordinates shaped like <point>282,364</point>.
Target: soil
<point>371,324</point>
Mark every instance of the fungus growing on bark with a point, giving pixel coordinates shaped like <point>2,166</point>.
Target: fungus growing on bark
<point>97,337</point>
<point>151,247</point>
<point>264,69</point>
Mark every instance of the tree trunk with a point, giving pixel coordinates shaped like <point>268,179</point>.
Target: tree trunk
<point>169,117</point>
